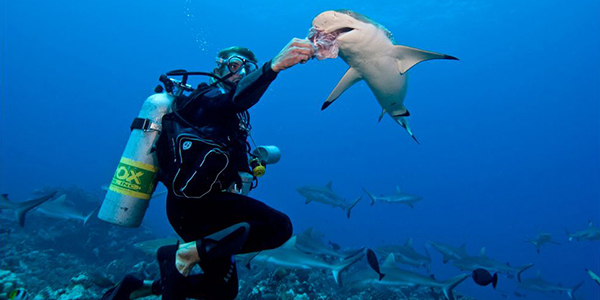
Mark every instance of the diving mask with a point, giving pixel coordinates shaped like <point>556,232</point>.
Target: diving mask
<point>237,63</point>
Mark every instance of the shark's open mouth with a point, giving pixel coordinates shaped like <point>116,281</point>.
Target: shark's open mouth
<point>325,42</point>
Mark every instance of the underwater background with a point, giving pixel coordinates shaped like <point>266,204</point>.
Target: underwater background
<point>510,134</point>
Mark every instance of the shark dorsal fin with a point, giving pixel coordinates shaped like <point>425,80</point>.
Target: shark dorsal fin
<point>61,199</point>
<point>408,242</point>
<point>328,185</point>
<point>308,231</point>
<point>350,78</point>
<point>290,244</point>
<point>390,260</point>
<point>407,57</point>
<point>398,190</point>
<point>482,252</point>
<point>590,224</point>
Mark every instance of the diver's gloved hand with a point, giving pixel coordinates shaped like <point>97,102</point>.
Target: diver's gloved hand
<point>296,51</point>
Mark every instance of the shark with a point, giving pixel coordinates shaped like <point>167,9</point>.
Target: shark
<point>591,233</point>
<point>307,242</point>
<point>399,197</point>
<point>540,285</point>
<point>326,195</point>
<point>22,208</point>
<point>449,252</point>
<point>397,277</point>
<point>482,261</point>
<point>406,254</point>
<point>542,239</point>
<point>288,256</point>
<point>60,209</point>
<point>373,56</point>
<point>151,246</point>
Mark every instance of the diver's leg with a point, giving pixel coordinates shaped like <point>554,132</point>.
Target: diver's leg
<point>124,289</point>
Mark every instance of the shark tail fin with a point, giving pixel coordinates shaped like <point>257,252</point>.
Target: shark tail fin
<point>449,285</point>
<point>25,207</point>
<point>404,123</point>
<point>352,204</point>
<point>341,266</point>
<point>352,254</point>
<point>495,280</point>
<point>523,270</point>
<point>87,218</point>
<point>573,289</point>
<point>370,196</point>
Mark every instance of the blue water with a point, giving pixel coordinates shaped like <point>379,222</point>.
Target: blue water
<point>510,134</point>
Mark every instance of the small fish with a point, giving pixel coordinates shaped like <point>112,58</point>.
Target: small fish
<point>374,263</point>
<point>483,277</point>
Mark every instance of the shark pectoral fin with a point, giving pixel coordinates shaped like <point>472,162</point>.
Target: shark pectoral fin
<point>382,114</point>
<point>407,57</point>
<point>307,201</point>
<point>350,78</point>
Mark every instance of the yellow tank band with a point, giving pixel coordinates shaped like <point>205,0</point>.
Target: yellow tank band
<point>134,179</point>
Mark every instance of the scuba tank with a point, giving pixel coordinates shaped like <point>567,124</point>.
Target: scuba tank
<point>135,178</point>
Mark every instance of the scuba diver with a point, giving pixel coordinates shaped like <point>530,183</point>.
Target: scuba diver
<point>201,150</point>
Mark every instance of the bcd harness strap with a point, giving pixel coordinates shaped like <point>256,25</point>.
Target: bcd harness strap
<point>145,125</point>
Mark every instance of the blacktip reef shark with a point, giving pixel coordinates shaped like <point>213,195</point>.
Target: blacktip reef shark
<point>288,256</point>
<point>482,261</point>
<point>398,197</point>
<point>397,277</point>
<point>60,209</point>
<point>370,51</point>
<point>326,195</point>
<point>21,208</point>
<point>540,285</point>
<point>449,252</point>
<point>591,233</point>
<point>542,239</point>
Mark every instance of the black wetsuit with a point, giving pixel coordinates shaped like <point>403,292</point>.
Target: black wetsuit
<point>218,113</point>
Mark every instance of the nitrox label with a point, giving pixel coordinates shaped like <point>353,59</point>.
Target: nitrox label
<point>134,179</point>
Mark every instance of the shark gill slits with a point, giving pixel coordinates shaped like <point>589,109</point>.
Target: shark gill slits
<point>483,277</point>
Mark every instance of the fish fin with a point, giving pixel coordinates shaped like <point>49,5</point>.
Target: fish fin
<point>446,259</point>
<point>341,266</point>
<point>307,201</point>
<point>370,196</point>
<point>390,260</point>
<point>407,57</point>
<point>398,190</point>
<point>382,114</point>
<point>404,123</point>
<point>449,285</point>
<point>408,242</point>
<point>24,207</point>
<point>290,244</point>
<point>412,205</point>
<point>328,185</point>
<point>350,78</point>
<point>87,218</point>
<point>60,199</point>
<point>523,270</point>
<point>590,224</point>
<point>573,289</point>
<point>352,204</point>
<point>482,251</point>
<point>495,280</point>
